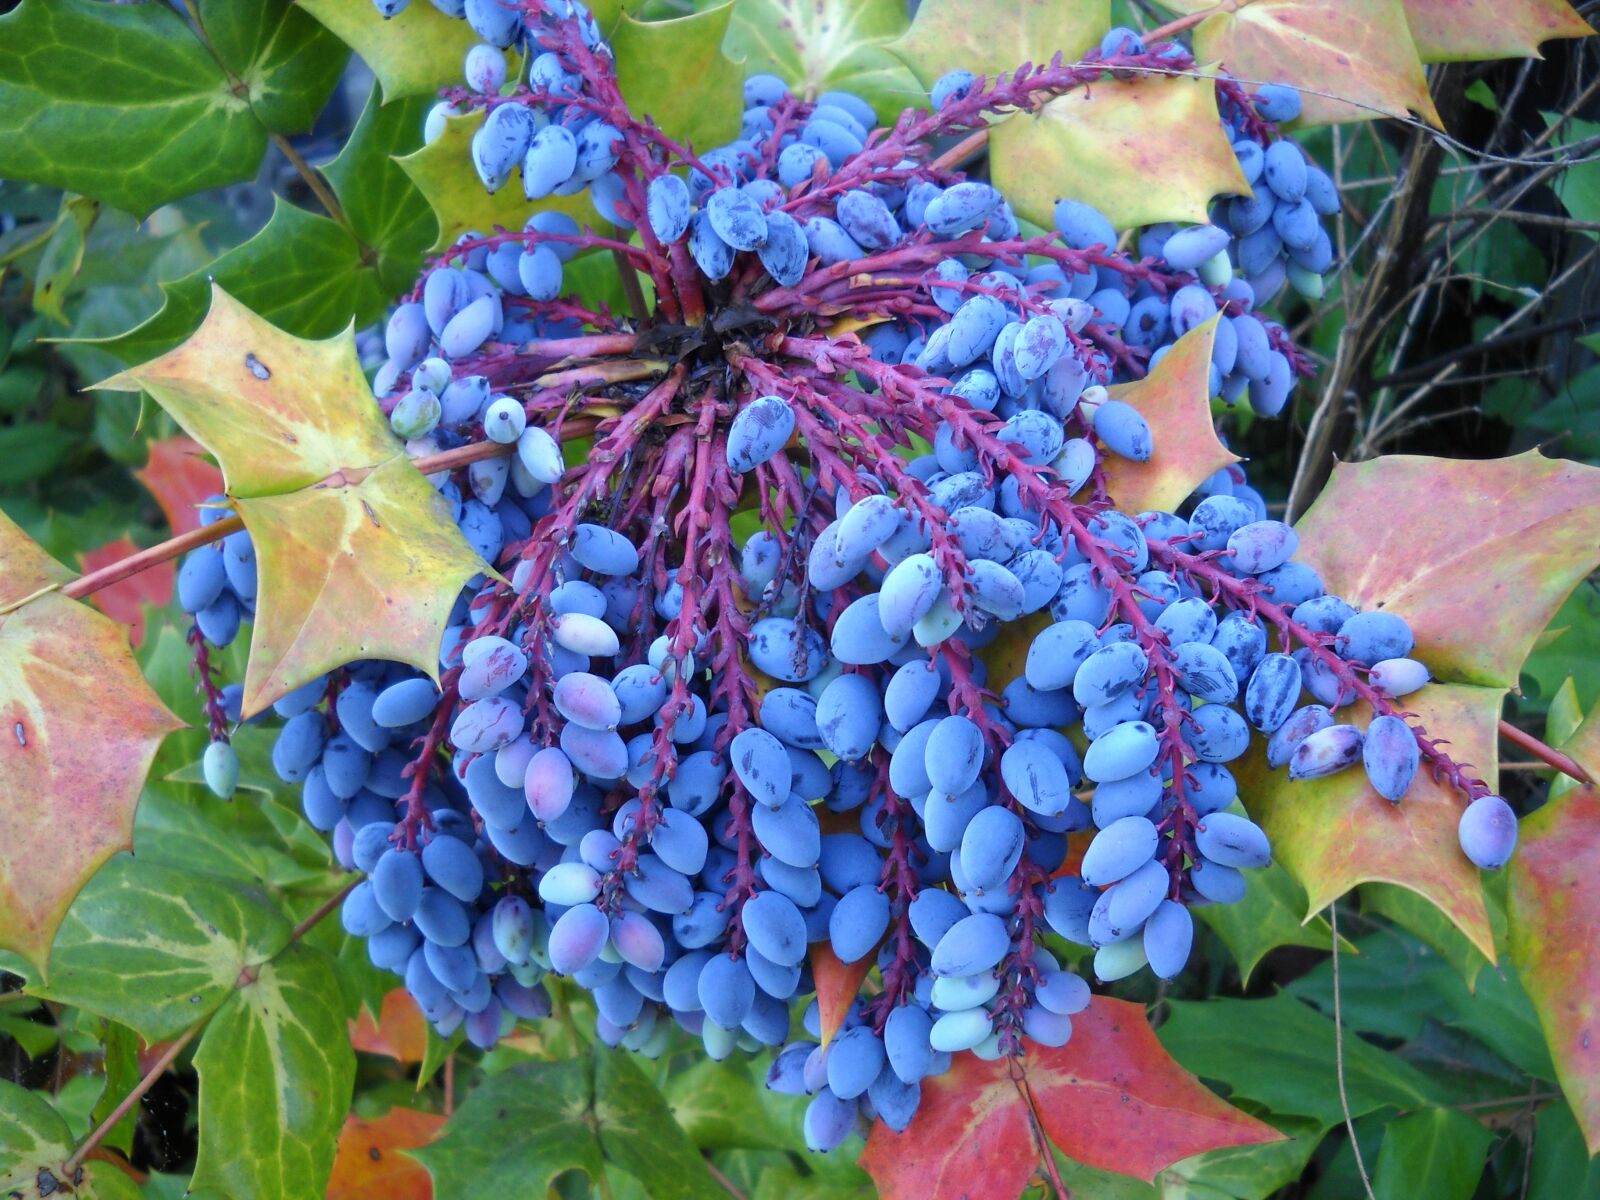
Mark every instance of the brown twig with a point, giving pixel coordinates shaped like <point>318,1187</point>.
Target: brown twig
<point>1548,755</point>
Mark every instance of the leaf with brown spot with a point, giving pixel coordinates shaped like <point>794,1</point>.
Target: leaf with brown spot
<point>1553,898</point>
<point>987,38</point>
<point>1470,30</point>
<point>79,727</point>
<point>1336,832</point>
<point>838,984</point>
<point>1485,556</point>
<point>1104,143</point>
<point>357,554</point>
<point>1175,399</point>
<point>1111,1098</point>
<point>370,1164</point>
<point>1351,61</point>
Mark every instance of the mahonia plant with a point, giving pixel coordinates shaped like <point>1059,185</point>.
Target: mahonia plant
<point>762,545</point>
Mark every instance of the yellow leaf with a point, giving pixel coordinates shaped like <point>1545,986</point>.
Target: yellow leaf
<point>986,38</point>
<point>1469,30</point>
<point>414,53</point>
<point>1105,143</point>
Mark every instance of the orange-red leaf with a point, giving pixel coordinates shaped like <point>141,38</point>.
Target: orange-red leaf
<point>838,983</point>
<point>1112,1098</point>
<point>124,601</point>
<point>399,1032</point>
<point>1467,30</point>
<point>1484,557</point>
<point>1175,399</point>
<point>1553,901</point>
<point>1336,832</point>
<point>1104,144</point>
<point>181,478</point>
<point>79,727</point>
<point>1354,60</point>
<point>369,1165</point>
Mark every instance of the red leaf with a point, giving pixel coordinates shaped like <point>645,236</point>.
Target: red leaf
<point>399,1031</point>
<point>367,1165</point>
<point>124,602</point>
<point>837,985</point>
<point>181,477</point>
<point>1469,30</point>
<point>1111,1098</point>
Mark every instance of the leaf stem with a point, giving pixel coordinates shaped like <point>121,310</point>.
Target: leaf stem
<point>313,180</point>
<point>1545,754</point>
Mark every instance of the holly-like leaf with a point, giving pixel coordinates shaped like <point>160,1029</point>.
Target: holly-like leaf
<point>413,53</point>
<point>835,44</point>
<point>1104,144</point>
<point>1469,30</point>
<point>676,73</point>
<point>838,984</point>
<point>80,729</point>
<point>523,1127</point>
<point>1352,61</point>
<point>1415,915</point>
<point>159,947</point>
<point>399,1032</point>
<point>1336,832</point>
<point>358,556</point>
<point>115,101</point>
<point>275,1077</point>
<point>1485,556</point>
<point>989,38</point>
<point>371,1165</point>
<point>124,601</point>
<point>181,478</point>
<point>1175,399</point>
<point>442,172</point>
<point>725,1105</point>
<point>33,1137</point>
<point>1438,1153</point>
<point>1554,905</point>
<point>1272,914</point>
<point>1111,1098</point>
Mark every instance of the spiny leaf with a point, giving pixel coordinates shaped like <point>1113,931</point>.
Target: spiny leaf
<point>523,1127</point>
<point>1554,902</point>
<point>33,1137</point>
<point>414,53</point>
<point>371,1163</point>
<point>972,1134</point>
<point>159,947</point>
<point>837,985</point>
<point>1486,554</point>
<point>1336,832</point>
<point>114,101</point>
<point>1468,30</point>
<point>399,1032</point>
<point>442,171</point>
<point>181,479</point>
<point>1104,144</point>
<point>1272,914</point>
<point>1437,1152</point>
<point>1175,398</point>
<point>275,1078</point>
<point>124,601</point>
<point>80,728</point>
<point>1353,61</point>
<point>358,556</point>
<point>1415,915</point>
<point>675,72</point>
<point>989,38</point>
<point>835,44</point>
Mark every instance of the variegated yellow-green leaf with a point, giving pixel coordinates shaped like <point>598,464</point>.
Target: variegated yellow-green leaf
<point>1175,399</point>
<point>358,556</point>
<point>442,171</point>
<point>1468,30</point>
<point>1104,144</point>
<point>80,728</point>
<point>987,38</point>
<point>414,53</point>
<point>676,73</point>
<point>816,47</point>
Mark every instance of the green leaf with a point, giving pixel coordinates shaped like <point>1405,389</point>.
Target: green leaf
<point>675,72</point>
<point>125,103</point>
<point>1562,1168</point>
<point>720,1105</point>
<point>121,1058</point>
<point>276,1070</point>
<point>33,1137</point>
<point>63,255</point>
<point>1437,1153</point>
<point>414,53</point>
<point>1279,1052</point>
<point>302,272</point>
<point>1272,914</point>
<point>1411,912</point>
<point>522,1128</point>
<point>1247,1172</point>
<point>385,209</point>
<point>821,45</point>
<point>987,38</point>
<point>157,947</point>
